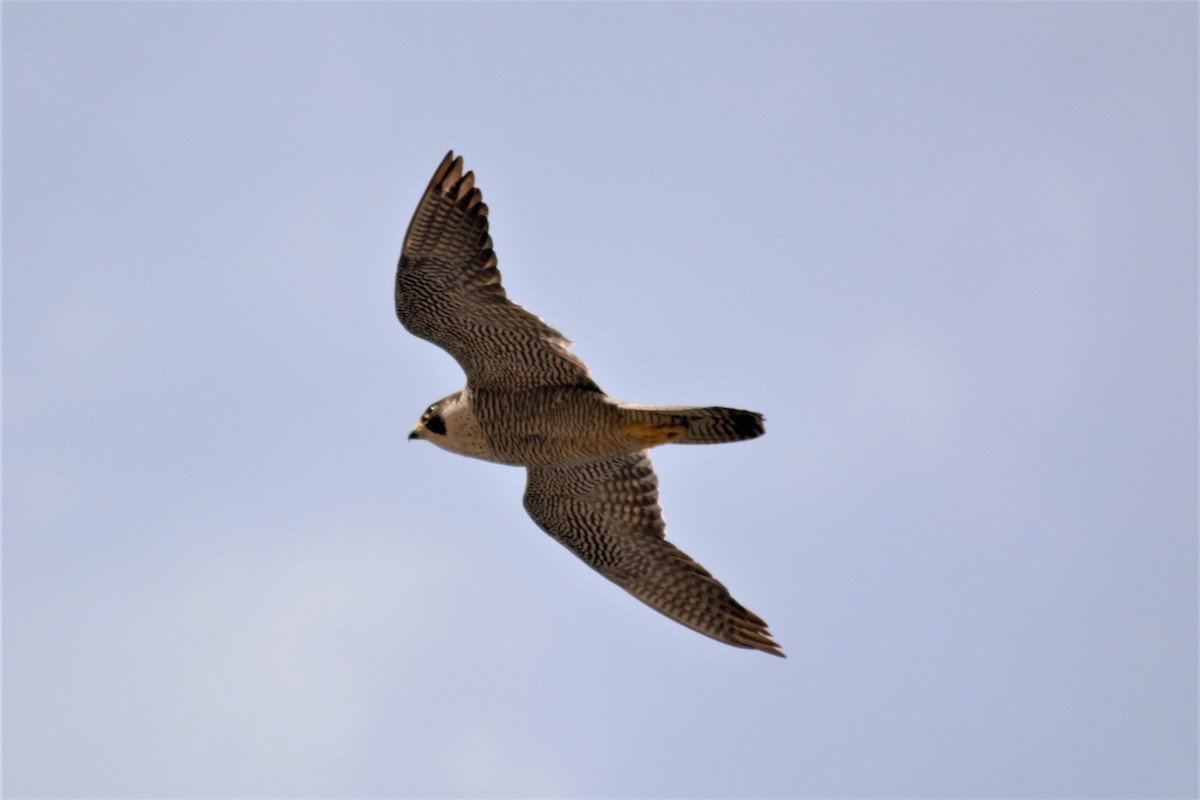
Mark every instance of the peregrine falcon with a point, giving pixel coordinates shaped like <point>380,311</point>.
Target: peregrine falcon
<point>530,402</point>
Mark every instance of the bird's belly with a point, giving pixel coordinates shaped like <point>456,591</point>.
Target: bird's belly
<point>552,425</point>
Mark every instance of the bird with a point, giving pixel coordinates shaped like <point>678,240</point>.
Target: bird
<point>530,402</point>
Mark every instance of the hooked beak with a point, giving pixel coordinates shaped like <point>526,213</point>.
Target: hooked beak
<point>415,433</point>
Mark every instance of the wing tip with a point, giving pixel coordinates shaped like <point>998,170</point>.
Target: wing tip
<point>765,644</point>
<point>450,181</point>
<point>449,164</point>
<point>449,188</point>
<point>752,634</point>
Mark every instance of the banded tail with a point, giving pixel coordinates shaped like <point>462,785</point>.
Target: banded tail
<point>655,425</point>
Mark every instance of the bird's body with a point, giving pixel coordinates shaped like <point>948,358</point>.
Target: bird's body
<point>532,427</point>
<point>557,425</point>
<point>530,402</point>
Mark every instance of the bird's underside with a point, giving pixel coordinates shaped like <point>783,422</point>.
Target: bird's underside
<point>591,485</point>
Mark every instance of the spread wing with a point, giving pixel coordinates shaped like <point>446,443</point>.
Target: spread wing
<point>448,292</point>
<point>607,513</point>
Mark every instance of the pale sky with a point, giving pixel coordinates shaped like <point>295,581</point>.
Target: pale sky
<point>949,250</point>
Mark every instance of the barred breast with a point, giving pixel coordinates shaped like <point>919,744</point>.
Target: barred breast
<point>550,425</point>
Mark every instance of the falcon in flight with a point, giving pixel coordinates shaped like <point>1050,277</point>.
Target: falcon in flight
<point>530,402</point>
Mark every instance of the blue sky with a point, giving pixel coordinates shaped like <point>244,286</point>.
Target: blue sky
<point>950,251</point>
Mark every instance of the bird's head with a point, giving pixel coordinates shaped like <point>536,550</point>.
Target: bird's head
<point>450,423</point>
<point>432,422</point>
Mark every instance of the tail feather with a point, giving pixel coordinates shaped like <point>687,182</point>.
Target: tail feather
<point>711,425</point>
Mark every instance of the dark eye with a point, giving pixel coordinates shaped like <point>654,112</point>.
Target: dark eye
<point>428,413</point>
<point>435,424</point>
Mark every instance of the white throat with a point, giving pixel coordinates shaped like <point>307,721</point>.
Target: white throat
<point>463,434</point>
